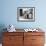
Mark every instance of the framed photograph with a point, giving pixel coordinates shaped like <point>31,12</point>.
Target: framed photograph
<point>26,14</point>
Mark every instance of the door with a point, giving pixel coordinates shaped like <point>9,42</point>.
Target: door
<point>13,40</point>
<point>37,40</point>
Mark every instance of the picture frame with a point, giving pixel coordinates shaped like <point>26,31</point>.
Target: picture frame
<point>26,14</point>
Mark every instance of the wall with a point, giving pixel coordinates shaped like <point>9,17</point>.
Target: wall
<point>8,15</point>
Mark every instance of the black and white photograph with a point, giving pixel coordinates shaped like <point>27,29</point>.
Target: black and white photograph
<point>26,14</point>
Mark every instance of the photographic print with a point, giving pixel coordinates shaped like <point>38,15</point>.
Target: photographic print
<point>26,14</point>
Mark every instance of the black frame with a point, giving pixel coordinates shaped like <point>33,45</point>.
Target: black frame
<point>32,13</point>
